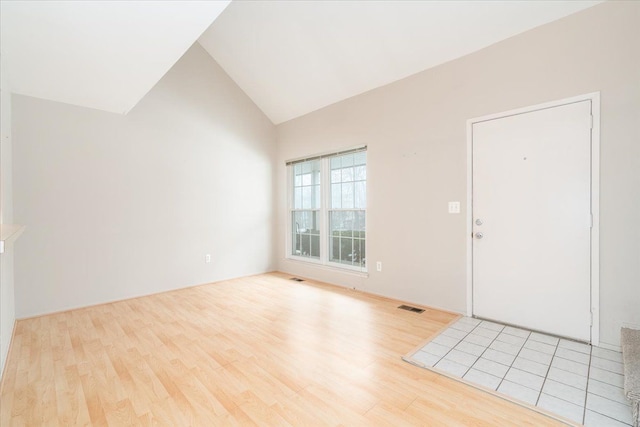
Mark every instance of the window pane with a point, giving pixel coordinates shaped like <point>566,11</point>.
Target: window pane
<point>347,174</point>
<point>316,190</point>
<point>305,234</point>
<point>360,158</point>
<point>306,197</point>
<point>360,173</point>
<point>347,195</point>
<point>361,195</point>
<point>334,254</point>
<point>315,246</point>
<point>336,196</point>
<point>336,163</point>
<point>306,179</point>
<point>347,160</point>
<point>336,176</point>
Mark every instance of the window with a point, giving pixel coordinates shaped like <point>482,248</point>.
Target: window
<point>328,209</point>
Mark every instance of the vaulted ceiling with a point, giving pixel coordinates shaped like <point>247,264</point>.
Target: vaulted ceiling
<point>294,57</point>
<point>99,54</point>
<point>290,57</point>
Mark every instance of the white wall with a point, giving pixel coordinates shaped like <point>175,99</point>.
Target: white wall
<point>415,130</point>
<point>121,206</point>
<point>7,300</point>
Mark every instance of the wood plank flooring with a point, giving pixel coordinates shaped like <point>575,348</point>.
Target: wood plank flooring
<point>261,350</point>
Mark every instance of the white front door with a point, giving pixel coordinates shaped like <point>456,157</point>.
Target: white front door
<point>531,213</point>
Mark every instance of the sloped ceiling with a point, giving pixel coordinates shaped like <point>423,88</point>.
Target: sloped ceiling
<point>294,57</point>
<point>99,54</point>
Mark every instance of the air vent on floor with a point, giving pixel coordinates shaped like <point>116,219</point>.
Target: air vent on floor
<point>409,308</point>
<point>295,279</point>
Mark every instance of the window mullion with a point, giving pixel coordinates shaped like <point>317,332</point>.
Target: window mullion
<point>325,182</point>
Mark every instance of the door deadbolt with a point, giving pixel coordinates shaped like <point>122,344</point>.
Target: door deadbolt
<point>479,235</point>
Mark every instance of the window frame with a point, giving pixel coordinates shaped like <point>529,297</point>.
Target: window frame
<point>324,212</point>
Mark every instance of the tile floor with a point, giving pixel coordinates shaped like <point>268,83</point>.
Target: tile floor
<point>571,379</point>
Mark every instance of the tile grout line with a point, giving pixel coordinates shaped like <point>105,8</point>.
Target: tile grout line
<point>513,361</point>
<point>459,341</point>
<point>546,375</point>
<point>528,338</point>
<point>586,394</point>
<point>486,347</point>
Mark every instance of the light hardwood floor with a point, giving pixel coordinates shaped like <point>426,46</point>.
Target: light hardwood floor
<point>260,350</point>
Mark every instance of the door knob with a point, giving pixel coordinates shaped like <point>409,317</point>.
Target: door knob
<point>479,235</point>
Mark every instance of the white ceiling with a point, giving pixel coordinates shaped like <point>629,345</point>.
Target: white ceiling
<point>294,57</point>
<point>98,54</point>
<point>290,57</point>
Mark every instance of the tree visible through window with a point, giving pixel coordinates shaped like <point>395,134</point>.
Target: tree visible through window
<point>328,209</point>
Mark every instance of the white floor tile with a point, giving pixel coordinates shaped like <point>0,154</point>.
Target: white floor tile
<point>539,346</point>
<point>603,353</point>
<point>510,339</point>
<point>561,407</point>
<point>564,392</point>
<point>505,347</point>
<point>491,325</point>
<point>546,339</point>
<point>461,357</point>
<point>482,378</point>
<point>607,390</point>
<point>568,378</point>
<point>485,353</point>
<point>471,348</point>
<point>593,419</point>
<point>609,408</point>
<point>606,376</point>
<point>436,349</point>
<point>532,367</point>
<point>461,326</point>
<point>478,339</point>
<point>454,333</point>
<point>607,365</point>
<point>491,367</point>
<point>576,356</point>
<point>498,356</point>
<point>425,358</point>
<point>446,341</point>
<point>451,367</point>
<point>516,332</point>
<point>519,392</point>
<point>487,333</point>
<point>526,379</point>
<point>469,320</point>
<point>571,366</point>
<point>575,346</point>
<point>535,356</point>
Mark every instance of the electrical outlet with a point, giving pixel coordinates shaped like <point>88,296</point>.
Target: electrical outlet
<point>207,258</point>
<point>379,265</point>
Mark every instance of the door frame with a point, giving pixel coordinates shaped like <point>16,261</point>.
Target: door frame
<point>594,97</point>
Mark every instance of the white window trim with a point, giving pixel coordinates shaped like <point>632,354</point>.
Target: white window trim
<point>325,178</point>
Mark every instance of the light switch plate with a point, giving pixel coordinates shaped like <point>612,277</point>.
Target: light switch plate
<point>454,207</point>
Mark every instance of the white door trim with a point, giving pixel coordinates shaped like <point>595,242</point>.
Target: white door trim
<point>594,97</point>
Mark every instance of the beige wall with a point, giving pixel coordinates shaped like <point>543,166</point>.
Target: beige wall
<point>7,300</point>
<point>120,206</point>
<point>415,130</point>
